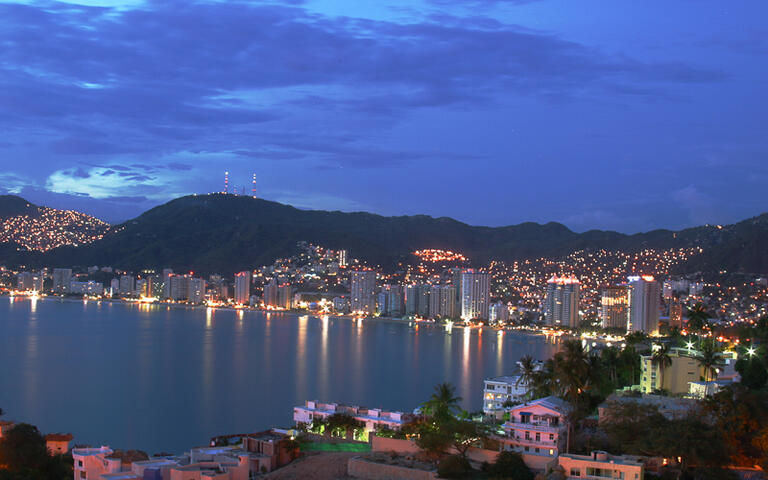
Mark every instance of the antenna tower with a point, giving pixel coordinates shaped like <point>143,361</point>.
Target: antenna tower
<point>253,186</point>
<point>226,182</point>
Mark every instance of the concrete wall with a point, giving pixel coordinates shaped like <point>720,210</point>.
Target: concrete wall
<point>363,469</point>
<point>383,444</point>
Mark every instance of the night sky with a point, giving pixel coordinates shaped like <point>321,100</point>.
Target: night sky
<point>624,115</point>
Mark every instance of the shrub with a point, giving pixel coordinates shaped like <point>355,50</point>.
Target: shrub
<point>510,465</point>
<point>454,466</point>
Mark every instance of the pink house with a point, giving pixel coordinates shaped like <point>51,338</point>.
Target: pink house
<point>601,465</point>
<point>537,429</point>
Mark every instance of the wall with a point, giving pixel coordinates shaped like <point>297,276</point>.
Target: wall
<point>363,469</point>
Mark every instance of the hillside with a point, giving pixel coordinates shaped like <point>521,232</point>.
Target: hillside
<point>27,227</point>
<point>227,233</point>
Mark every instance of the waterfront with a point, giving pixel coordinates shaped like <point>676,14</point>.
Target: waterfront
<point>165,379</point>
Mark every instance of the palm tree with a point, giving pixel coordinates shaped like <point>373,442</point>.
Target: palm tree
<point>443,403</point>
<point>527,371</point>
<point>662,359</point>
<point>610,360</point>
<point>709,358</point>
<point>697,318</point>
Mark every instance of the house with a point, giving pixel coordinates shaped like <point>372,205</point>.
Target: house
<point>538,428</point>
<point>370,417</point>
<point>499,390</point>
<point>92,463</point>
<point>58,443</point>
<point>269,449</point>
<point>600,465</point>
<point>702,390</point>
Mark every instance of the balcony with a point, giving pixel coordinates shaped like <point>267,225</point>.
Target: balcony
<point>535,426</point>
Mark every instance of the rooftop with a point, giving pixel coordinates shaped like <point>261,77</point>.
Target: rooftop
<point>59,437</point>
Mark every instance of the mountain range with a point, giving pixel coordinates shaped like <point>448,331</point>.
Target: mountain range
<point>228,233</point>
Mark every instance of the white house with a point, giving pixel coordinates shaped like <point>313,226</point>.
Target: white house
<point>601,465</point>
<point>371,417</point>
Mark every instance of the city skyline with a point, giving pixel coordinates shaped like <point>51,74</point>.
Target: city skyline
<point>664,101</point>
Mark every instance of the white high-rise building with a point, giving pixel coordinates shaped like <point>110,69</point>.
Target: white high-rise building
<point>644,300</point>
<point>442,301</point>
<point>363,291</point>
<point>243,288</point>
<point>561,305</point>
<point>127,285</point>
<point>475,295</point>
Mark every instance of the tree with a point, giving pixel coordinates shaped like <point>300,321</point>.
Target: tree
<point>454,466</point>
<point>464,434</point>
<point>341,424</point>
<point>751,365</point>
<point>709,358</point>
<point>510,466</point>
<point>527,371</point>
<point>739,415</point>
<point>661,359</point>
<point>610,360</point>
<point>23,448</point>
<point>697,319</point>
<point>443,403</point>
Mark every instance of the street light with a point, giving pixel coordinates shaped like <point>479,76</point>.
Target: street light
<point>751,351</point>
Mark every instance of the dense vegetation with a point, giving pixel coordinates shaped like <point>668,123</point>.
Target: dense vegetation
<point>228,233</point>
<point>24,456</point>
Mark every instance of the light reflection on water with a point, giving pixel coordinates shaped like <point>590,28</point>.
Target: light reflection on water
<point>165,379</point>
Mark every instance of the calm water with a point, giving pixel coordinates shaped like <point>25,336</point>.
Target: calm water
<point>166,379</point>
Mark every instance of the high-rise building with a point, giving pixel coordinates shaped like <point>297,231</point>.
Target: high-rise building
<point>614,307</point>
<point>196,292</point>
<point>442,301</point>
<point>285,296</point>
<point>61,279</point>
<point>167,274</point>
<point>390,301</point>
<point>561,305</point>
<point>456,282</point>
<point>475,294</point>
<point>498,313</point>
<point>363,291</point>
<point>271,293</point>
<point>676,315</point>
<point>243,288</point>
<point>114,286</point>
<point>179,287</point>
<point>127,285</point>
<point>30,281</point>
<point>644,300</point>
<point>343,258</point>
<point>423,309</point>
<point>411,299</point>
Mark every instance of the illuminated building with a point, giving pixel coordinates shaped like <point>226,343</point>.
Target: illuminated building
<point>442,301</point>
<point>498,313</point>
<point>390,301</point>
<point>363,291</point>
<point>61,279</point>
<point>127,285</point>
<point>644,300</point>
<point>674,379</point>
<point>342,258</point>
<point>167,274</point>
<point>475,294</point>
<point>561,305</point>
<point>614,307</point>
<point>271,293</point>
<point>180,287</point>
<point>30,281</point>
<point>196,292</point>
<point>411,299</point>
<point>676,315</point>
<point>242,288</point>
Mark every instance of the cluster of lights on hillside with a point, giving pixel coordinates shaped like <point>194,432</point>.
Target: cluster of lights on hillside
<point>52,228</point>
<point>436,255</point>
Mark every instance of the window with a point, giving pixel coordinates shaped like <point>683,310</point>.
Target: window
<point>552,436</point>
<point>527,435</point>
<point>82,474</point>
<point>538,437</point>
<point>536,449</point>
<point>79,463</point>
<point>527,449</point>
<point>575,472</point>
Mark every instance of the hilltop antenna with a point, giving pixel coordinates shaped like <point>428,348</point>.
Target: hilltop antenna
<point>226,182</point>
<point>253,186</point>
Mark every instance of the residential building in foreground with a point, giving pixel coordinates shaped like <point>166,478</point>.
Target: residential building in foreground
<point>601,465</point>
<point>537,428</point>
<point>371,417</point>
<point>673,379</point>
<point>499,390</point>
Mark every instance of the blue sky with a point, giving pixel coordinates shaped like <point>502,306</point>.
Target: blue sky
<point>618,115</point>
